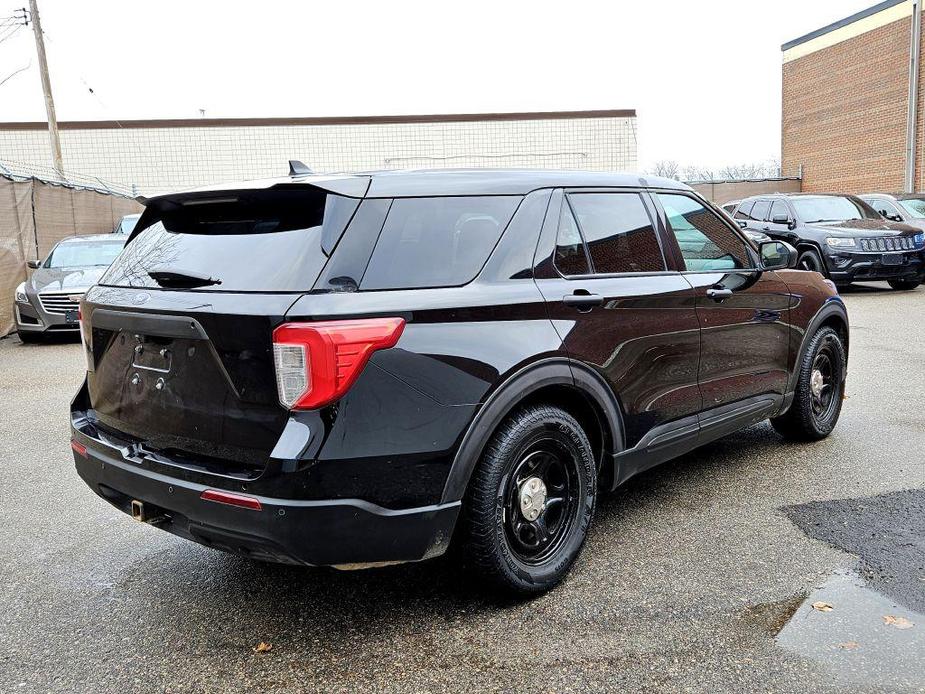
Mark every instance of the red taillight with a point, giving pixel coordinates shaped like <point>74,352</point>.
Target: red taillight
<point>239,500</point>
<point>316,363</point>
<point>79,448</point>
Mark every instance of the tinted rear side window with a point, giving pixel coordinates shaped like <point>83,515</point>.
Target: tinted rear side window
<point>267,242</point>
<point>570,249</point>
<point>744,209</point>
<point>437,242</point>
<point>618,232</point>
<point>760,211</point>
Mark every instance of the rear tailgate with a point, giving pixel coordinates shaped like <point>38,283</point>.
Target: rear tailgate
<point>179,330</point>
<point>189,379</point>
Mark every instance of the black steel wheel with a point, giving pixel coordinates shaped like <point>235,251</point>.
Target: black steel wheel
<point>530,501</point>
<point>541,497</point>
<point>823,385</point>
<point>819,391</point>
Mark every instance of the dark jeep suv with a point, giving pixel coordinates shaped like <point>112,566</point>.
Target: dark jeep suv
<point>840,236</point>
<point>355,370</point>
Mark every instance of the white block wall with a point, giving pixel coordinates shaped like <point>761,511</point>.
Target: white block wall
<point>166,157</point>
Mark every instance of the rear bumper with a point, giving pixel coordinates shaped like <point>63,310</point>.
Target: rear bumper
<point>347,533</point>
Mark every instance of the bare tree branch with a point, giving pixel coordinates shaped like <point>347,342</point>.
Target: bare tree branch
<point>667,168</point>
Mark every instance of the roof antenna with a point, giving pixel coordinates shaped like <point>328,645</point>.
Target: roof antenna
<point>297,168</point>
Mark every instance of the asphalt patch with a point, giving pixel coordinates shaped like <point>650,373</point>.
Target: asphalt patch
<point>887,532</point>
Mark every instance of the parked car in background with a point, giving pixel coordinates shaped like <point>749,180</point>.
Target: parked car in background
<point>839,236</point>
<point>756,236</point>
<point>126,224</point>
<point>48,301</point>
<point>354,370</point>
<point>908,208</point>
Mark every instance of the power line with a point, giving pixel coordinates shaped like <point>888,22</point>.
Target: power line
<point>9,33</point>
<point>14,73</point>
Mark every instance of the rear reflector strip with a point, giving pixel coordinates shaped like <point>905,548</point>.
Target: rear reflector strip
<point>231,499</point>
<point>79,448</point>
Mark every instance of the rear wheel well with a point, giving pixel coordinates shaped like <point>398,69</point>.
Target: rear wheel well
<point>838,325</point>
<point>583,408</point>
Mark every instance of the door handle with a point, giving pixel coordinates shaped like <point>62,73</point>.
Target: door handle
<point>719,295</point>
<point>583,300</point>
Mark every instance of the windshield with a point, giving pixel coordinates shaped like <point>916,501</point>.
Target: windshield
<point>916,208</point>
<point>828,209</point>
<point>84,253</point>
<point>127,223</point>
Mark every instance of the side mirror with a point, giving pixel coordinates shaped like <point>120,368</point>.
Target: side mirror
<point>33,264</point>
<point>780,219</point>
<point>742,224</point>
<point>777,255</point>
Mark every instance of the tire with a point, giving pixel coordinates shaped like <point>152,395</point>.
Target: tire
<point>817,401</point>
<point>29,338</point>
<point>809,260</point>
<point>500,539</point>
<point>904,285</point>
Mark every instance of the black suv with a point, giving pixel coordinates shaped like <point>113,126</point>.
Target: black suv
<point>356,370</point>
<point>840,236</point>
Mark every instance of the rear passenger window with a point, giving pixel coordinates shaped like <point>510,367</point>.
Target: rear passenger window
<point>706,243</point>
<point>618,232</point>
<point>760,210</point>
<point>571,258</point>
<point>437,242</point>
<point>744,209</point>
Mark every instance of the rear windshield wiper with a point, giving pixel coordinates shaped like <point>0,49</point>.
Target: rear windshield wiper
<point>181,279</point>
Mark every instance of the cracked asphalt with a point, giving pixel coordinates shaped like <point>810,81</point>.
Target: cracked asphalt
<point>690,572</point>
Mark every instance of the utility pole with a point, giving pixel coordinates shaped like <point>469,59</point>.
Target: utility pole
<point>912,111</point>
<point>46,87</point>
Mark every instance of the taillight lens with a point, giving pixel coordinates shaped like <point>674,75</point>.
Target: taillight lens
<point>316,363</point>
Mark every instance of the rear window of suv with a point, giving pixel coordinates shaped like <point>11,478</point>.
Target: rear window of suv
<point>437,242</point>
<point>269,241</point>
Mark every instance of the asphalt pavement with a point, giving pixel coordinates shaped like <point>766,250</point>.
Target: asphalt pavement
<point>698,576</point>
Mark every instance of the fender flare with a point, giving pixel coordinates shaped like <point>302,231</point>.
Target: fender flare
<point>803,245</point>
<point>520,385</point>
<point>832,307</point>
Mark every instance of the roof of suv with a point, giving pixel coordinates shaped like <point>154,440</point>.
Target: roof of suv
<point>894,196</point>
<point>433,182</point>
<point>94,237</point>
<point>801,195</point>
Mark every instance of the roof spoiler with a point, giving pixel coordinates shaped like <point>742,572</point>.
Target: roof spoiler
<point>297,168</point>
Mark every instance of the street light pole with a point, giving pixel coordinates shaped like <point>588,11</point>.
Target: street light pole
<point>46,87</point>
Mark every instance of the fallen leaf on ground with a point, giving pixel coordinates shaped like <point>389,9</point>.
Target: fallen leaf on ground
<point>849,645</point>
<point>263,647</point>
<point>898,622</point>
<point>822,606</point>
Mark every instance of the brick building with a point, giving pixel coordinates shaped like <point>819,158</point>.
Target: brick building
<point>847,102</point>
<point>159,155</point>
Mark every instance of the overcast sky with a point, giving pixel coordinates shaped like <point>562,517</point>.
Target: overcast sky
<point>704,76</point>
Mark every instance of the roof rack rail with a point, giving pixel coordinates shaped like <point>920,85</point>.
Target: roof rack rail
<point>297,168</point>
